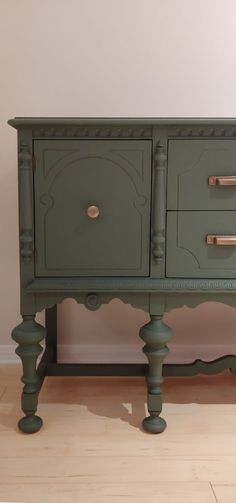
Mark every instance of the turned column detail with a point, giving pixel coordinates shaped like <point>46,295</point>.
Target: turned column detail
<point>26,202</point>
<point>159,214</point>
<point>28,336</point>
<point>155,334</point>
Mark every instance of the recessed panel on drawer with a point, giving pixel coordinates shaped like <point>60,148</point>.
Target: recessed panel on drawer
<point>201,244</point>
<point>201,174</point>
<point>92,207</point>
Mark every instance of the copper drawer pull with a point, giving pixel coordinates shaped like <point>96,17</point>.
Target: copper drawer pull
<point>222,180</point>
<point>93,211</point>
<point>213,239</point>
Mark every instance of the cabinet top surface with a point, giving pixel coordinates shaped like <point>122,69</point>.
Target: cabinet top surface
<point>155,121</point>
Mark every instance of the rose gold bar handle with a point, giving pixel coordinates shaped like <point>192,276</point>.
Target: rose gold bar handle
<point>221,240</point>
<point>222,180</point>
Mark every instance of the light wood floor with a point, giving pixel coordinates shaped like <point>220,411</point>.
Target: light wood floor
<point>91,448</point>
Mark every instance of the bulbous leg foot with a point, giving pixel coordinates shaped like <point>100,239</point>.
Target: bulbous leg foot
<point>30,424</point>
<point>154,424</point>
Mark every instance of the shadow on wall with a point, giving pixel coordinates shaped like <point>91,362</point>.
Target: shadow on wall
<point>110,334</point>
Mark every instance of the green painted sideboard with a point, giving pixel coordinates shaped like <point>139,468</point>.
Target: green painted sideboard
<point>143,210</point>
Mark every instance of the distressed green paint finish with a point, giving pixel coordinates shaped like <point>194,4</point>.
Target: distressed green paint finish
<point>155,334</point>
<point>117,286</point>
<point>26,219</point>
<point>158,216</point>
<point>149,178</point>
<point>70,177</point>
<point>189,255</point>
<point>190,163</point>
<point>194,124</point>
<point>28,336</point>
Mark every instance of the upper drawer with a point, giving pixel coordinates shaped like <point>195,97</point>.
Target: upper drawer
<point>92,207</point>
<point>190,164</point>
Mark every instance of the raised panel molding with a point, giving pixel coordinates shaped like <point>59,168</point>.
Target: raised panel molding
<point>190,164</point>
<point>189,255</point>
<point>116,176</point>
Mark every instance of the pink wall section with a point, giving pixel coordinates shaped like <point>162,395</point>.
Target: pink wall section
<point>111,58</point>
<point>111,333</point>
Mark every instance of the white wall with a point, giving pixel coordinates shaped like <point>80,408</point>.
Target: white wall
<point>111,58</point>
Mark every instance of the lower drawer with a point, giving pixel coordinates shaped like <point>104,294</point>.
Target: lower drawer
<point>187,252</point>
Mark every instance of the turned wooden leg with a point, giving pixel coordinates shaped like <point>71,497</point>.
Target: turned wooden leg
<point>28,336</point>
<point>155,334</point>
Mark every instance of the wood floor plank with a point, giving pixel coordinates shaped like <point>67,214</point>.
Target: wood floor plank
<point>225,493</point>
<point>92,446</point>
<point>120,468</point>
<point>107,493</point>
<point>101,418</point>
<point>107,444</point>
<point>2,391</point>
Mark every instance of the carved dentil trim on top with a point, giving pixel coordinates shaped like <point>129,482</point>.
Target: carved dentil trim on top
<point>93,132</point>
<point>201,131</point>
<point>26,204</point>
<point>125,131</point>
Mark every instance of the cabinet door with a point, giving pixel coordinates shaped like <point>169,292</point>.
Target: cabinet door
<point>92,207</point>
<point>190,165</point>
<point>189,255</point>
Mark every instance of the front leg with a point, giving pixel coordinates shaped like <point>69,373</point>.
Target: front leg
<point>28,336</point>
<point>155,334</point>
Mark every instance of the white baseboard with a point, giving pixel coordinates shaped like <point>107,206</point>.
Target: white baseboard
<point>7,354</point>
<point>132,353</point>
<point>124,353</point>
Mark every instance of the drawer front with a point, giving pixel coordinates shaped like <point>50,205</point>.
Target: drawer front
<point>190,164</point>
<point>92,207</point>
<point>189,255</point>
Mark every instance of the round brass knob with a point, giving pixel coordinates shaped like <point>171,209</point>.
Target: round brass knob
<point>93,211</point>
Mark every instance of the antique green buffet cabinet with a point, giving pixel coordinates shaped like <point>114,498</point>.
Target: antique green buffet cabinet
<point>143,210</point>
